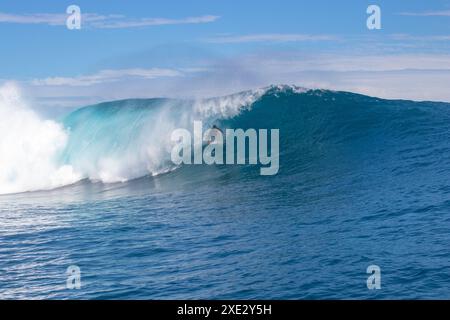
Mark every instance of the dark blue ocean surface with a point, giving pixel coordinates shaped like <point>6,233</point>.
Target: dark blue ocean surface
<point>362,181</point>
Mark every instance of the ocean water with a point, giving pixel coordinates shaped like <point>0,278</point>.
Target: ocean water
<point>362,181</point>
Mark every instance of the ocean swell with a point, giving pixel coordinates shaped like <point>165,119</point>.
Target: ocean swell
<point>109,142</point>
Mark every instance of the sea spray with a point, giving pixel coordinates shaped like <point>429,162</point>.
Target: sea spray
<point>29,147</point>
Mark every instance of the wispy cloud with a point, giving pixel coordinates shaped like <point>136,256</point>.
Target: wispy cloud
<point>403,76</point>
<point>105,76</point>
<point>270,37</point>
<point>144,22</point>
<point>441,13</point>
<point>409,37</point>
<point>93,20</point>
<point>354,63</point>
<point>38,18</point>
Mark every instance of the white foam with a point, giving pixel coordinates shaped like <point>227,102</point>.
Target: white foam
<point>29,147</point>
<point>227,106</point>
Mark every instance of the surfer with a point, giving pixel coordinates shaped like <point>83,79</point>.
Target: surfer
<point>214,127</point>
<point>217,130</point>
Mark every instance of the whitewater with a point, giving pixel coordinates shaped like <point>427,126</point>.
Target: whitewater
<point>103,143</point>
<point>29,147</point>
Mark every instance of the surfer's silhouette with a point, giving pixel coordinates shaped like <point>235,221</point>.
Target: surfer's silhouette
<point>217,128</point>
<point>214,127</point>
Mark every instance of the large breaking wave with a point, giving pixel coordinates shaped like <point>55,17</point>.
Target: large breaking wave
<point>109,142</point>
<point>123,140</point>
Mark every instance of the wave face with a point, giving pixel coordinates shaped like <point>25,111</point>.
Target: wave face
<point>124,140</point>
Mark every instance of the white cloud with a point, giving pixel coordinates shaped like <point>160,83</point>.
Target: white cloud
<point>44,18</point>
<point>93,20</point>
<point>104,76</point>
<point>144,22</point>
<point>400,76</point>
<point>442,13</point>
<point>405,76</point>
<point>271,37</point>
<point>409,37</point>
<point>355,63</point>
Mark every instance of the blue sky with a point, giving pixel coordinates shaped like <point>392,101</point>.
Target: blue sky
<point>203,47</point>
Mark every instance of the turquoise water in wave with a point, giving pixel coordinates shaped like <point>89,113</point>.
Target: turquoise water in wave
<point>362,181</point>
